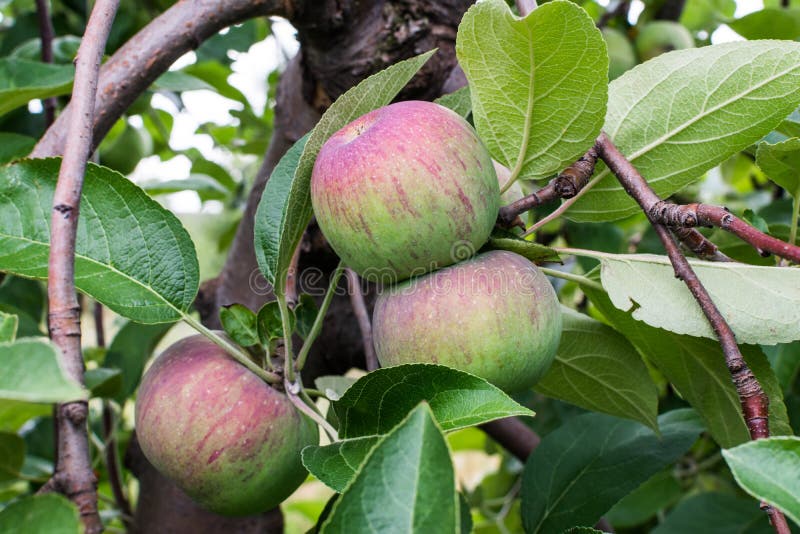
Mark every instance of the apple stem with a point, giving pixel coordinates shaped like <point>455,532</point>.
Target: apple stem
<point>236,353</point>
<point>307,406</point>
<point>317,326</point>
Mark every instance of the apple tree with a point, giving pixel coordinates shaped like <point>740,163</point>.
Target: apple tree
<point>472,266</point>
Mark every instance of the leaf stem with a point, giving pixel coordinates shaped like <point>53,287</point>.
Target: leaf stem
<point>795,210</point>
<point>236,353</point>
<point>317,326</point>
<point>307,406</point>
<point>286,323</point>
<point>572,277</point>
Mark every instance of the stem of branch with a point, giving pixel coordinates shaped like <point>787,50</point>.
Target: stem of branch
<point>46,34</point>
<point>754,402</point>
<point>514,435</point>
<point>73,474</point>
<point>362,316</point>
<point>316,328</point>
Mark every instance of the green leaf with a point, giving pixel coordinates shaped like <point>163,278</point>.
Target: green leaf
<point>207,188</point>
<point>715,513</point>
<point>8,327</point>
<point>268,322</point>
<point>337,464</point>
<point>271,216</point>
<point>14,414</point>
<point>12,456</point>
<point>769,23</point>
<point>459,101</point>
<point>178,81</point>
<point>239,322</point>
<point>660,492</point>
<point>131,254</point>
<point>505,240</point>
<point>781,162</point>
<point>408,471</point>
<point>334,386</point>
<point>761,304</point>
<point>680,114</point>
<point>382,398</point>
<point>785,361</point>
<point>14,146</point>
<point>598,369</point>
<point>129,351</point>
<point>286,210</point>
<point>580,470</point>
<point>538,84</point>
<point>22,81</point>
<point>31,373</point>
<point>103,382</point>
<point>40,514</point>
<point>769,469</point>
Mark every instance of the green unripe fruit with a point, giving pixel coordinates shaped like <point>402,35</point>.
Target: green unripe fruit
<point>403,190</point>
<point>495,316</point>
<point>124,152</point>
<point>621,56</point>
<point>225,437</point>
<point>661,36</point>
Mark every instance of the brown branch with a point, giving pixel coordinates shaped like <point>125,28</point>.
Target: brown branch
<point>514,435</point>
<point>689,215</point>
<point>565,185</point>
<point>362,315</point>
<point>754,402</point>
<point>46,34</point>
<point>148,54</point>
<point>608,16</point>
<point>700,245</point>
<point>73,474</point>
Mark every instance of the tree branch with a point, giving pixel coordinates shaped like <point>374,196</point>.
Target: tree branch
<point>46,34</point>
<point>514,435</point>
<point>754,402</point>
<point>148,54</point>
<point>73,474</point>
<point>362,315</point>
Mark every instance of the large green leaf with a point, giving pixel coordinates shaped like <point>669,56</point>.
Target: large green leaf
<point>696,366</point>
<point>769,23</point>
<point>14,146</point>
<point>459,101</point>
<point>31,373</point>
<point>281,222</point>
<point>8,326</point>
<point>538,85</point>
<point>781,162</point>
<point>337,464</point>
<point>785,361</point>
<point>682,113</point>
<point>40,514</point>
<point>14,414</point>
<point>761,304</point>
<point>580,470</point>
<point>407,484</point>
<point>769,469</point>
<point>131,254</point>
<point>22,81</point>
<point>129,351</point>
<point>382,398</point>
<point>715,513</point>
<point>598,369</point>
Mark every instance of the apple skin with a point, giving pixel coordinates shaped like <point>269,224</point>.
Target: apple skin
<point>225,437</point>
<point>495,316</point>
<point>514,192</point>
<point>661,36</point>
<point>621,55</point>
<point>404,190</point>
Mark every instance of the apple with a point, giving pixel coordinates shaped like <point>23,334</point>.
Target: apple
<point>124,152</point>
<point>226,438</point>
<point>514,192</point>
<point>661,36</point>
<point>495,316</point>
<point>621,55</point>
<point>404,190</point>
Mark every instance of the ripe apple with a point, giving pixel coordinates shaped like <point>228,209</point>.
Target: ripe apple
<point>661,36</point>
<point>225,437</point>
<point>403,190</point>
<point>495,316</point>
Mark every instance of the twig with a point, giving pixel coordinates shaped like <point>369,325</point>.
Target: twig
<point>699,245</point>
<point>110,448</point>
<point>621,8</point>
<point>316,328</point>
<point>754,402</point>
<point>514,435</point>
<point>46,34</point>
<point>73,474</point>
<point>149,53</point>
<point>362,316</point>
<point>525,7</point>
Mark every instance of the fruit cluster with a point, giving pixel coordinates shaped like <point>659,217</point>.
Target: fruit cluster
<point>406,194</point>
